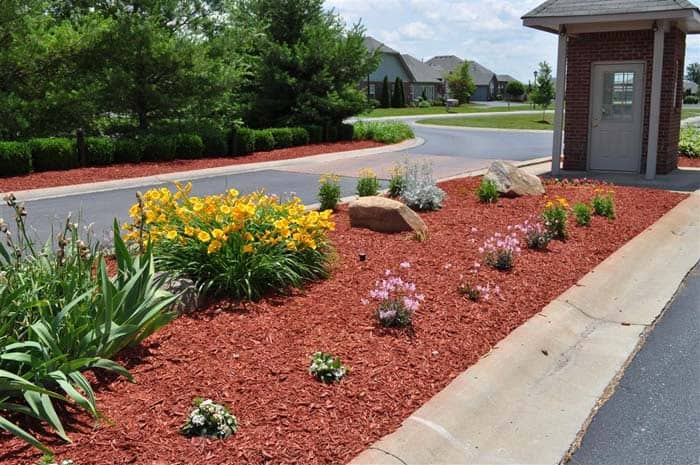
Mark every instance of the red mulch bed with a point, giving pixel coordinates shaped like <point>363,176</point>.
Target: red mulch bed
<point>254,358</point>
<point>687,162</point>
<point>136,170</point>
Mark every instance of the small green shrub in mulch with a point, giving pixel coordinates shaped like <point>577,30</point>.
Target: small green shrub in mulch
<point>50,154</point>
<point>15,159</point>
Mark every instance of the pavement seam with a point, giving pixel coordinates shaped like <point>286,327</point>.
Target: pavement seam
<point>602,320</point>
<point>388,453</point>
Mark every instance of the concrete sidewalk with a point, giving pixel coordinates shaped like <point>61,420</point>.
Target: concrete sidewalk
<point>528,400</point>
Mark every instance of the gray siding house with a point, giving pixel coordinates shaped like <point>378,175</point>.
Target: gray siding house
<point>417,76</point>
<point>486,80</point>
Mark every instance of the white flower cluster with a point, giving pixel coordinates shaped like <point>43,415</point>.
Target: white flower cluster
<point>210,419</point>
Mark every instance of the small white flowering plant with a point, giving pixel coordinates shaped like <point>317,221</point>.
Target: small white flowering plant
<point>210,420</point>
<point>500,250</point>
<point>327,368</point>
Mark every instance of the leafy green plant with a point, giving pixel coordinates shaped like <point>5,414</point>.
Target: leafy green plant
<point>58,319</point>
<point>127,150</point>
<point>284,138</point>
<point>367,183</point>
<point>386,132</point>
<point>327,368</point>
<point>53,154</point>
<point>264,140</point>
<point>420,191</point>
<point>99,151</point>
<point>555,216</point>
<point>689,142</point>
<point>188,146</point>
<point>243,141</point>
<point>397,182</point>
<point>582,212</point>
<point>209,420</point>
<point>329,191</point>
<point>15,159</point>
<point>300,136</point>
<point>487,192</point>
<point>158,148</point>
<point>603,203</point>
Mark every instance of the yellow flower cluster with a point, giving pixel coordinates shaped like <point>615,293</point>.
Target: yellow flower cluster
<point>367,173</point>
<point>329,179</point>
<point>558,201</point>
<point>250,223</point>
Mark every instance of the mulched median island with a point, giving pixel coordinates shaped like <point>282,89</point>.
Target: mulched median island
<point>254,357</point>
<point>45,179</point>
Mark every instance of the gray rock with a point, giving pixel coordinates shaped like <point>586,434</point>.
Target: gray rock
<point>385,215</point>
<point>190,299</point>
<point>512,181</point>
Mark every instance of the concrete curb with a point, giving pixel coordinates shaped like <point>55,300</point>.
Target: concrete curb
<point>469,128</point>
<point>443,115</point>
<point>530,398</point>
<point>133,183</point>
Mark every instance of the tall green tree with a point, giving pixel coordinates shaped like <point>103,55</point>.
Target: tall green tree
<point>693,73</point>
<point>386,93</point>
<point>398,99</point>
<point>310,63</point>
<point>514,90</point>
<point>543,90</point>
<point>460,83</point>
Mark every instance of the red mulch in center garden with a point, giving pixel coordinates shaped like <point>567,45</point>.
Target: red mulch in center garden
<point>687,162</point>
<point>137,170</point>
<point>254,358</point>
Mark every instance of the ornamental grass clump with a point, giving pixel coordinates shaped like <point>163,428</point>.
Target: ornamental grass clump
<point>603,203</point>
<point>536,236</point>
<point>420,191</point>
<point>238,246</point>
<point>487,192</point>
<point>329,191</point>
<point>327,368</point>
<point>555,217</point>
<point>367,183</point>
<point>397,300</point>
<point>210,420</point>
<point>500,250</point>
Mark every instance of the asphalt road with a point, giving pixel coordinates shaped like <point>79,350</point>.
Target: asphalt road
<point>99,209</point>
<point>654,416</point>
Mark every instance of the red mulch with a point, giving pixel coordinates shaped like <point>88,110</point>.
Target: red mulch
<point>687,162</point>
<point>136,170</point>
<point>254,358</point>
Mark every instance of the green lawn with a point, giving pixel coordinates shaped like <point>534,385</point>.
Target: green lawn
<point>466,108</point>
<point>532,121</point>
<point>690,112</point>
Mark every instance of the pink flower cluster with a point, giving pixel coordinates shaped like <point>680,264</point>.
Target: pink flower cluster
<point>398,299</point>
<point>500,250</point>
<point>536,235</point>
<point>485,291</point>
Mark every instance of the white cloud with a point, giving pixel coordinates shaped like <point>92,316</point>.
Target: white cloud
<point>417,30</point>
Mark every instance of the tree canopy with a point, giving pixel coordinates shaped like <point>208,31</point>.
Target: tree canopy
<point>693,73</point>
<point>460,83</point>
<point>92,64</point>
<point>543,91</point>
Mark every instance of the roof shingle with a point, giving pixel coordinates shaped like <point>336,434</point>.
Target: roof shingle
<point>557,8</point>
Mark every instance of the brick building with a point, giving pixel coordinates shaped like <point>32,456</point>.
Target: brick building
<point>620,74</point>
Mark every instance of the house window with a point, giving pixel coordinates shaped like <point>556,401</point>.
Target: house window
<point>372,90</point>
<point>618,93</point>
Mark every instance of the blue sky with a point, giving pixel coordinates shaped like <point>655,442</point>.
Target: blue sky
<point>487,31</point>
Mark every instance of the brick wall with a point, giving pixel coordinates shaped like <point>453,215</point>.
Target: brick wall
<point>585,49</point>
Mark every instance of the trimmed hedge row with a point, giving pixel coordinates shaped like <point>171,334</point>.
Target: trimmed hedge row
<point>47,154</point>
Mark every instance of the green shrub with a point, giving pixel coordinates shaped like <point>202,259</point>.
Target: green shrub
<point>188,146</point>
<point>346,132</point>
<point>487,192</point>
<point>214,139</point>
<point>15,159</point>
<point>583,214</point>
<point>284,138</point>
<point>315,133</point>
<point>397,182</point>
<point>99,151</point>
<point>300,136</point>
<point>264,140</point>
<point>367,183</point>
<point>386,132</point>
<point>329,191</point>
<point>691,100</point>
<point>420,191</point>
<point>689,142</point>
<point>158,148</point>
<point>243,141</point>
<point>253,246</point>
<point>128,150</point>
<point>60,318</point>
<point>424,104</point>
<point>53,154</point>
<point>555,217</point>
<point>603,203</point>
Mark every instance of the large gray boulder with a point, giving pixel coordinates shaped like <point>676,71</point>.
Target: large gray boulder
<point>384,215</point>
<point>512,181</point>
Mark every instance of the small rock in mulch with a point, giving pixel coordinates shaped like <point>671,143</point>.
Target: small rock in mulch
<point>384,215</point>
<point>512,181</point>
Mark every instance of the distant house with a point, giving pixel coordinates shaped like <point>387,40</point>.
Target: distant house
<point>503,80</point>
<point>418,77</point>
<point>486,80</point>
<point>689,87</point>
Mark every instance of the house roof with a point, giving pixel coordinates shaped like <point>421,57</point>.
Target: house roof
<point>553,13</point>
<point>445,63</point>
<point>422,72</point>
<point>373,44</point>
<point>482,75</point>
<point>505,78</point>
